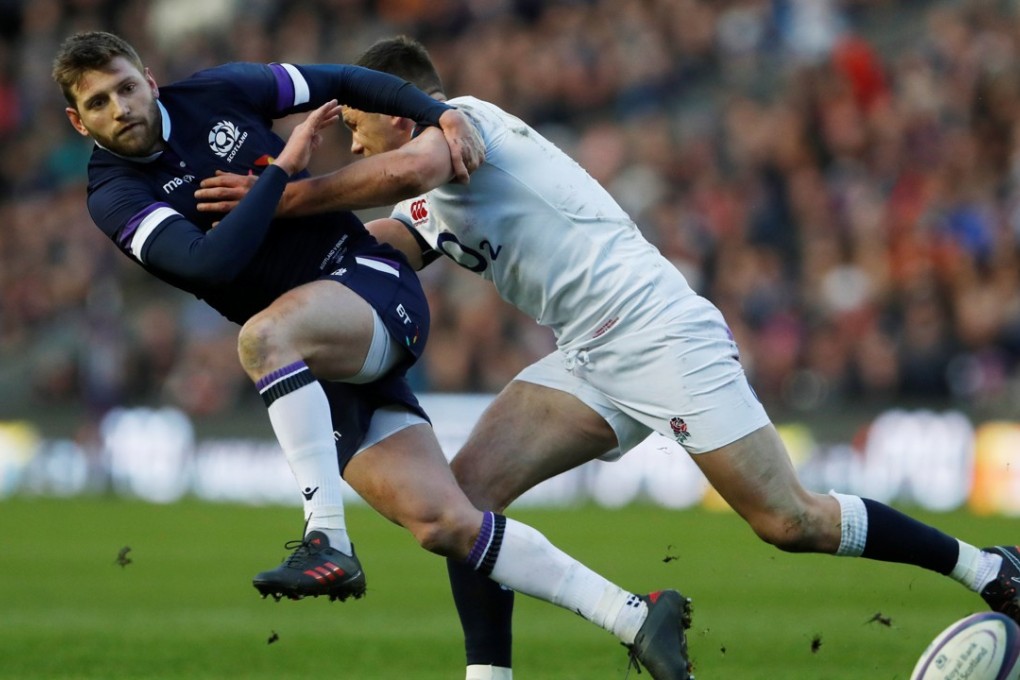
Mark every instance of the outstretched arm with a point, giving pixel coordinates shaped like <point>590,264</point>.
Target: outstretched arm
<point>379,92</point>
<point>422,164</point>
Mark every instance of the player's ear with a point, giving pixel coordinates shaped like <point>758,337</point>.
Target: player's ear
<point>405,125</point>
<point>72,115</point>
<point>151,81</point>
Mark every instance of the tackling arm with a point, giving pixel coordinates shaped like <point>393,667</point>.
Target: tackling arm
<point>385,179</point>
<point>415,168</point>
<point>379,92</point>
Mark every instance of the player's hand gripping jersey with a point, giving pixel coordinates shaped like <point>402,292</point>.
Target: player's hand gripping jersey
<point>220,119</point>
<point>552,240</point>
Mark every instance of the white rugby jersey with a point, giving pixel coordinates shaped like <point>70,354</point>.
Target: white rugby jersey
<point>552,240</point>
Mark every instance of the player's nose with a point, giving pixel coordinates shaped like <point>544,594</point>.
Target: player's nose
<point>121,107</point>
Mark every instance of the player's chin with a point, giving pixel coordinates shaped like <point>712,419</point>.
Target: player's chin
<point>132,143</point>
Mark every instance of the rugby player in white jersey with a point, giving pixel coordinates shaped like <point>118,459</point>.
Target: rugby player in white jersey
<point>638,351</point>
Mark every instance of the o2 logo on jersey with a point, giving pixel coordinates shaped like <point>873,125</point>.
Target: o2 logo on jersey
<point>226,139</point>
<point>419,211</point>
<point>465,256</point>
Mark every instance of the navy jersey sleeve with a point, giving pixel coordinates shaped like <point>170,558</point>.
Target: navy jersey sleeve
<point>164,241</point>
<point>281,89</point>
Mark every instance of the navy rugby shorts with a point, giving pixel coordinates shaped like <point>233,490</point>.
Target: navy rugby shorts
<point>388,283</point>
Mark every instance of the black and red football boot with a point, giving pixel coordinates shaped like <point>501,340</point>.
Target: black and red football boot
<point>313,569</point>
<point>661,643</point>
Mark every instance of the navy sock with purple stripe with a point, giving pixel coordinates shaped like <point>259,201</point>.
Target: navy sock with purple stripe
<point>283,381</point>
<point>486,613</point>
<point>484,606</point>
<point>482,557</point>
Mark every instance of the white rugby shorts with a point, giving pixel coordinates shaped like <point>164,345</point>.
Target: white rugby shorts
<point>676,372</point>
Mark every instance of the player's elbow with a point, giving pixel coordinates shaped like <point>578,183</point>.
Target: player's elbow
<point>212,274</point>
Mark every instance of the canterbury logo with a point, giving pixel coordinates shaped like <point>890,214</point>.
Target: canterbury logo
<point>325,572</point>
<point>419,211</point>
<point>308,493</point>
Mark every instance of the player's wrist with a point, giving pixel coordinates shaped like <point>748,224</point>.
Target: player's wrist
<point>284,168</point>
<point>285,164</point>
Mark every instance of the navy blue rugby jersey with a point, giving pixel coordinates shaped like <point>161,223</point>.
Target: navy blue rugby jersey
<point>221,119</point>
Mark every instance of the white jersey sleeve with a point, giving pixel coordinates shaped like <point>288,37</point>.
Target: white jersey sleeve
<point>552,240</point>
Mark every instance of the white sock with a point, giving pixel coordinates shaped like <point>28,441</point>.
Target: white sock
<point>853,525</point>
<point>528,563</point>
<point>975,568</point>
<point>482,672</point>
<point>303,425</point>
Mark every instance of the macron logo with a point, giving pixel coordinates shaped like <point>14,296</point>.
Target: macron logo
<point>177,182</point>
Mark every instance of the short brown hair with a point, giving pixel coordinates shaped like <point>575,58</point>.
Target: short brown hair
<point>405,58</point>
<point>88,51</point>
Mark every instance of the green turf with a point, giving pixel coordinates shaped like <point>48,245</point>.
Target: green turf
<point>185,608</point>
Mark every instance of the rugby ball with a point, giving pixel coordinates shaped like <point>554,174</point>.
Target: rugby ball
<point>983,646</point>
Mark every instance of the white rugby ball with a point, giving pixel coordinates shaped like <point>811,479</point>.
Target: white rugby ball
<point>983,646</point>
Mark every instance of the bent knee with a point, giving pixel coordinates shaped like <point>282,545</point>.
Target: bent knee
<point>445,536</point>
<point>258,341</point>
<point>797,531</point>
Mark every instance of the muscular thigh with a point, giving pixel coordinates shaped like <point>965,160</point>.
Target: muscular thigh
<point>326,323</point>
<point>407,479</point>
<point>755,476</point>
<point>329,322</point>
<point>529,433</point>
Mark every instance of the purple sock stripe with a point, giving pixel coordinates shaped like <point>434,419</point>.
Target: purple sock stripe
<point>492,554</point>
<point>290,369</point>
<point>481,545</point>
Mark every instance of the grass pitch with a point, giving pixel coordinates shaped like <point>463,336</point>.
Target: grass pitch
<point>185,608</point>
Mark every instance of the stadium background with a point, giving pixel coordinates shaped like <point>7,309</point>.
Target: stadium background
<point>840,177</point>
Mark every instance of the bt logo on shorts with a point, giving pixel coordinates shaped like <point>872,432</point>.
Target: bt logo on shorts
<point>419,211</point>
<point>404,316</point>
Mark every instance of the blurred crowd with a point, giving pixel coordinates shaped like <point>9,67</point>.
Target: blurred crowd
<point>840,177</point>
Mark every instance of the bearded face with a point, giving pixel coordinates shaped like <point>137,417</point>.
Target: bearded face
<point>116,106</point>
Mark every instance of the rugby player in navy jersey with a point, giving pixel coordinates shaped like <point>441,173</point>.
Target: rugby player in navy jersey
<point>330,318</point>
<point>637,350</point>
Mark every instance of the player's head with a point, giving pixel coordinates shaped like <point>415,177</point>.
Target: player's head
<point>405,58</point>
<point>111,95</point>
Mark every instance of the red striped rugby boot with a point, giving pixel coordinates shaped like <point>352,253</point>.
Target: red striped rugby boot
<point>313,569</point>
